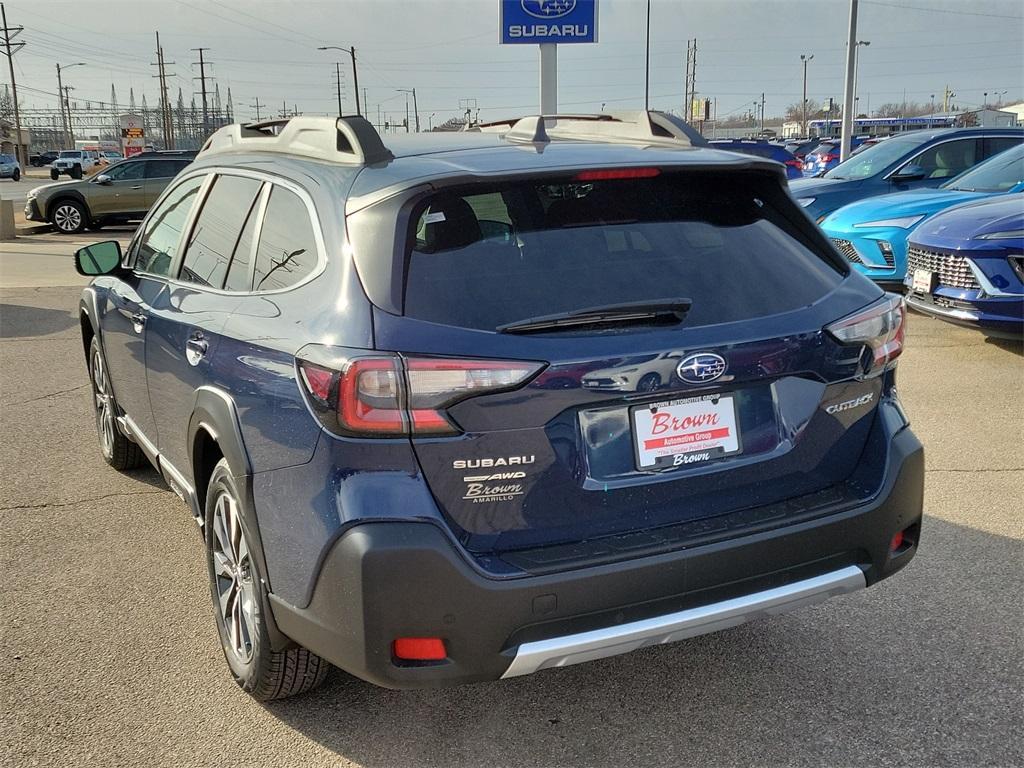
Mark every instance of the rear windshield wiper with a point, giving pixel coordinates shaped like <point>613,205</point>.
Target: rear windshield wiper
<point>656,311</point>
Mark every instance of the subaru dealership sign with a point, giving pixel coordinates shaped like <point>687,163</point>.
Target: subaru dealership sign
<point>548,21</point>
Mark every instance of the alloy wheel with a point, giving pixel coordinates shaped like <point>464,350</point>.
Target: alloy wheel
<point>104,403</point>
<point>232,572</point>
<point>67,218</point>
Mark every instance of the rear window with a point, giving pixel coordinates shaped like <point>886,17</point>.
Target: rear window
<point>483,257</point>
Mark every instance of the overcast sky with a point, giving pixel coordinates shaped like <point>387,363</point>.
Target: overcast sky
<point>447,50</point>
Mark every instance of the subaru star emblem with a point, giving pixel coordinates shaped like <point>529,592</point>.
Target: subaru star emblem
<point>701,368</point>
<point>548,9</point>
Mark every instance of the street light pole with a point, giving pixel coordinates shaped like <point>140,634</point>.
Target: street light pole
<point>355,72</point>
<point>848,106</point>
<point>805,60</point>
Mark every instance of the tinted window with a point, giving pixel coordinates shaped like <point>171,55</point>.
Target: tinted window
<point>996,144</point>
<point>576,245</point>
<point>997,174</point>
<point>217,228</point>
<point>287,248</point>
<point>164,169</point>
<point>125,171</point>
<point>949,158</point>
<point>159,244</point>
<point>239,277</point>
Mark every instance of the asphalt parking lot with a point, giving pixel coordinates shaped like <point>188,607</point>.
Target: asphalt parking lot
<point>110,655</point>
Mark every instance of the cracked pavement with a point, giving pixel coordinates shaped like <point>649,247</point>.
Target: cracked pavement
<point>109,654</point>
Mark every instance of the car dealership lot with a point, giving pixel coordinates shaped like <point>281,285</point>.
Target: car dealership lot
<point>109,653</point>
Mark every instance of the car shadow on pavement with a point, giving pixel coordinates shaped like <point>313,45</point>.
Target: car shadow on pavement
<point>1010,345</point>
<point>837,684</point>
<point>19,321</point>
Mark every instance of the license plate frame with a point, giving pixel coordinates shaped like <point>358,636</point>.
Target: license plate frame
<point>923,281</point>
<point>692,447</point>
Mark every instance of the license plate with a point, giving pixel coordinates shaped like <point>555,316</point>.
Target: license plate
<point>681,432</point>
<point>924,281</point>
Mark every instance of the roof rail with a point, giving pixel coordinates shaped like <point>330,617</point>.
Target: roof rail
<point>349,140</point>
<point>618,127</point>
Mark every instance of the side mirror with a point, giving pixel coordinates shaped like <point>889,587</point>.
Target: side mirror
<point>909,173</point>
<point>98,258</point>
<point>102,179</point>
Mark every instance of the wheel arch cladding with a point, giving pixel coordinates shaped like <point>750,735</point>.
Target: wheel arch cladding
<point>214,420</point>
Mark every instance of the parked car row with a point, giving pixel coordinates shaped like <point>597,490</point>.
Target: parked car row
<point>965,265</point>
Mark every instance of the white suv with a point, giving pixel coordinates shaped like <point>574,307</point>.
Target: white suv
<point>74,163</point>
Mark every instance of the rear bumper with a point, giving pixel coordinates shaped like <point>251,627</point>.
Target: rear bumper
<point>383,580</point>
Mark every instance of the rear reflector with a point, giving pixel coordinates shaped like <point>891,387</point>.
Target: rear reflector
<point>897,542</point>
<point>617,173</point>
<point>419,649</point>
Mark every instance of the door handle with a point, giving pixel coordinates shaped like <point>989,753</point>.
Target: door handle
<point>138,322</point>
<point>137,186</point>
<point>195,349</point>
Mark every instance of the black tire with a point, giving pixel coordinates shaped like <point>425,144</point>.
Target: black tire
<point>54,174</point>
<point>16,176</point>
<point>117,450</point>
<point>76,172</point>
<point>648,383</point>
<point>263,673</point>
<point>68,216</point>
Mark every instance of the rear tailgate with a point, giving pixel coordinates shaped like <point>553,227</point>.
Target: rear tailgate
<point>631,426</point>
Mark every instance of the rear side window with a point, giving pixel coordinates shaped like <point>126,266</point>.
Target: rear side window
<point>287,251</point>
<point>558,247</point>
<point>217,230</point>
<point>164,169</point>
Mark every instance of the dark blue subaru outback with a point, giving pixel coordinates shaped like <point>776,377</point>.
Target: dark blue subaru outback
<point>474,405</point>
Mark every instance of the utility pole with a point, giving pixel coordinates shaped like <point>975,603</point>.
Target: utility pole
<point>647,62</point>
<point>202,85</point>
<point>337,71</point>
<point>848,105</point>
<point>63,114</point>
<point>690,86</point>
<point>165,105</point>
<point>407,91</point>
<point>416,110</point>
<point>946,96</point>
<point>762,113</point>
<point>805,60</point>
<point>256,106</point>
<point>9,50</point>
<point>67,106</point>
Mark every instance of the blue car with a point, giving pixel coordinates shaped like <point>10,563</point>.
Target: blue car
<point>904,162</point>
<point>764,149</point>
<point>468,406</point>
<point>825,156</point>
<point>872,233</point>
<point>966,265</point>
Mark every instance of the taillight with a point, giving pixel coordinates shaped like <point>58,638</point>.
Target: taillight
<point>829,157</point>
<point>384,396</point>
<point>880,328</point>
<point>795,163</point>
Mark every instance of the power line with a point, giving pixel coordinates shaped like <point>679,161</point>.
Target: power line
<point>943,10</point>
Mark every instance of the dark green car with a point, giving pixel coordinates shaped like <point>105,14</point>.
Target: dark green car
<point>119,193</point>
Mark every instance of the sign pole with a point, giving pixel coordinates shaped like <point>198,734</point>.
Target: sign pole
<point>548,78</point>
